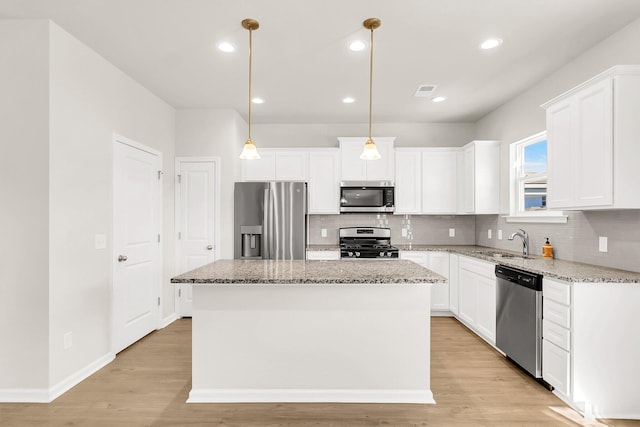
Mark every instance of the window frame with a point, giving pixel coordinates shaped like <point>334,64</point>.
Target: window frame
<point>516,185</point>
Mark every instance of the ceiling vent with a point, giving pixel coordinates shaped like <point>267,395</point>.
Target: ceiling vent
<point>425,90</point>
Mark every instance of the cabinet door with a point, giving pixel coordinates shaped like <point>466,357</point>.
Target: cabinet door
<point>324,182</point>
<point>262,169</point>
<point>408,182</point>
<point>454,282</point>
<point>439,262</point>
<point>467,297</point>
<point>292,166</point>
<point>439,181</point>
<point>486,311</point>
<point>352,167</point>
<point>556,367</point>
<point>561,148</point>
<point>593,177</point>
<point>467,175</point>
<point>381,169</point>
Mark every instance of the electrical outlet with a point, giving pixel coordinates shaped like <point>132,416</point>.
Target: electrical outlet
<point>602,244</point>
<point>452,232</point>
<point>100,241</point>
<point>499,234</point>
<point>68,340</point>
<point>404,232</point>
<point>323,232</point>
<point>488,233</point>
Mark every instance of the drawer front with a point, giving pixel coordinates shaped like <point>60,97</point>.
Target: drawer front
<point>323,255</point>
<point>556,291</point>
<point>418,257</point>
<point>482,268</point>
<point>556,367</point>
<point>556,313</point>
<point>556,334</point>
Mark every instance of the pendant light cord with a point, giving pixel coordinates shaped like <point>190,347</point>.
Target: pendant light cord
<point>371,83</point>
<point>250,63</point>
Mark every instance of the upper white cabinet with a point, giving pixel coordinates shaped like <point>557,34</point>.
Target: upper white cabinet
<point>277,165</point>
<point>592,133</point>
<point>324,181</point>
<point>355,169</point>
<point>479,178</point>
<point>439,181</point>
<point>408,182</point>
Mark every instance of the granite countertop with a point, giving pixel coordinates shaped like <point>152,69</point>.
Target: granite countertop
<point>555,268</point>
<point>310,272</point>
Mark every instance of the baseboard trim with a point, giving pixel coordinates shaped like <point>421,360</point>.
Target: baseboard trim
<point>42,395</point>
<point>309,395</point>
<point>168,320</point>
<point>77,377</point>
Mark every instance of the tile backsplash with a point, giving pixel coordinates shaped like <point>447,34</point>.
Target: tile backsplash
<point>577,240</point>
<point>422,229</point>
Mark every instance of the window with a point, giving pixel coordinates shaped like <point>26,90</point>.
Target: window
<point>528,177</point>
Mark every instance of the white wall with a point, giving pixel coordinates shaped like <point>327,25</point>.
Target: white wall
<point>522,116</point>
<point>215,133</point>
<point>24,171</point>
<point>90,100</point>
<point>325,135</point>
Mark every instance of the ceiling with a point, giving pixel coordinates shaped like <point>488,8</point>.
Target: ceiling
<point>302,66</point>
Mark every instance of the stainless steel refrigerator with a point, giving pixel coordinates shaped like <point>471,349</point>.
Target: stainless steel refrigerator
<point>270,220</point>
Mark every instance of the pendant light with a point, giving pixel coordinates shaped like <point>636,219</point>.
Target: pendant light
<point>249,151</point>
<point>370,151</point>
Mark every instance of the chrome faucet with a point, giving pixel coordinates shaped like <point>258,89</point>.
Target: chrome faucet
<point>525,240</point>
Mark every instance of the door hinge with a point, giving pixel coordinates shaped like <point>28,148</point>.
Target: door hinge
<point>179,235</point>
<point>179,179</point>
<point>158,238</point>
<point>179,293</point>
<point>158,301</point>
<point>160,173</point>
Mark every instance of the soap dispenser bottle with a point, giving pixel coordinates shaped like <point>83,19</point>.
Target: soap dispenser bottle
<point>547,249</point>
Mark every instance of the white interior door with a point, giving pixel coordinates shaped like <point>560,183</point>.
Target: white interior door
<point>196,214</point>
<point>136,233</point>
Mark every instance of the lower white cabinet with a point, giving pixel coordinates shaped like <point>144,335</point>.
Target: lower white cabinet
<point>323,255</point>
<point>439,263</point>
<point>556,367</point>
<point>477,297</point>
<point>454,282</point>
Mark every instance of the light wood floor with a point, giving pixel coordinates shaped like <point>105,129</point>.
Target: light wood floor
<point>148,384</point>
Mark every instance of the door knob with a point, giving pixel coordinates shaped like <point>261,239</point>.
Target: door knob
<point>209,247</point>
<point>122,258</point>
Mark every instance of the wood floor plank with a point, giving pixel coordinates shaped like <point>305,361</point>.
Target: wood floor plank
<point>148,384</point>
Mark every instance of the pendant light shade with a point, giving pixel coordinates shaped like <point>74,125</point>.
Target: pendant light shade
<point>250,152</point>
<point>370,151</point>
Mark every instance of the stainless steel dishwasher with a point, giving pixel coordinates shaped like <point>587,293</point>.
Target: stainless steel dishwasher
<point>519,317</point>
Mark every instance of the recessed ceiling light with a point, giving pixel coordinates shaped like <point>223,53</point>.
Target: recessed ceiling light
<point>490,44</point>
<point>226,47</point>
<point>357,45</point>
<point>348,100</point>
<point>439,99</point>
<point>257,101</point>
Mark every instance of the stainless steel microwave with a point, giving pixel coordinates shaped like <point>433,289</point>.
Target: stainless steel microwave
<point>367,196</point>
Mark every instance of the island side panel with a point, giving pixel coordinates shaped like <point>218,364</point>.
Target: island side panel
<point>311,343</point>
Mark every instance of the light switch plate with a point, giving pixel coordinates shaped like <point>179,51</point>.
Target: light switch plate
<point>100,241</point>
<point>603,243</point>
<point>489,233</point>
<point>68,340</point>
<point>499,234</point>
<point>404,232</point>
<point>452,232</point>
<point>323,232</point>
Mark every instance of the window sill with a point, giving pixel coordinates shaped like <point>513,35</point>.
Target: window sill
<point>541,219</point>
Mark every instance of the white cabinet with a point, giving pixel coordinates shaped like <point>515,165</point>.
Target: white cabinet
<point>454,282</point>
<point>592,143</point>
<point>408,182</point>
<point>324,181</point>
<point>477,297</point>
<point>426,180</point>
<point>439,181</point>
<point>355,169</point>
<point>437,262</point>
<point>556,335</point>
<point>479,178</point>
<point>329,255</point>
<point>277,165</point>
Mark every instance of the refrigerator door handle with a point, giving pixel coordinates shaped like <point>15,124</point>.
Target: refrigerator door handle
<point>265,225</point>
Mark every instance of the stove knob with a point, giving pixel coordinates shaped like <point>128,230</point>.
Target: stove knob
<point>389,254</point>
<point>357,254</point>
<point>381,253</point>
<point>350,253</point>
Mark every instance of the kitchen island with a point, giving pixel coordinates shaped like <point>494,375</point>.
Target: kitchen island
<point>311,331</point>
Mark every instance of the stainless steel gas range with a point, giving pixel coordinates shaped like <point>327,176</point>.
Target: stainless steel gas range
<point>367,242</point>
